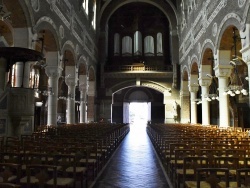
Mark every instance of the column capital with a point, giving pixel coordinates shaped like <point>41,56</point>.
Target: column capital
<point>83,87</point>
<point>205,81</point>
<point>223,70</point>
<point>70,81</point>
<point>53,71</point>
<point>193,88</point>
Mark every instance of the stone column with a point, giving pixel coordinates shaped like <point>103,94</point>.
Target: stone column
<point>185,105</point>
<point>193,93</point>
<point>222,72</point>
<point>53,73</point>
<point>170,112</point>
<point>91,101</point>
<point>71,83</point>
<point>205,103</point>
<point>205,81</point>
<point>83,88</point>
<point>224,103</point>
<point>3,67</point>
<point>83,106</point>
<point>19,74</point>
<point>193,89</point>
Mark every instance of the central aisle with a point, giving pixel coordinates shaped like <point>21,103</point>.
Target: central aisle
<point>134,164</point>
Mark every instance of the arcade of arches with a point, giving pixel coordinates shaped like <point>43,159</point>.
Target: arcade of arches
<point>80,61</point>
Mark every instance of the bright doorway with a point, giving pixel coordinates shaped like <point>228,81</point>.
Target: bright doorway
<point>137,113</point>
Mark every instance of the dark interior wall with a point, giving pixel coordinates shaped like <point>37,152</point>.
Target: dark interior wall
<point>157,113</point>
<point>117,113</point>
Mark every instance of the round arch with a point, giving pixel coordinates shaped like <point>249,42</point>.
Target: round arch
<point>231,20</point>
<point>110,7</point>
<point>46,23</point>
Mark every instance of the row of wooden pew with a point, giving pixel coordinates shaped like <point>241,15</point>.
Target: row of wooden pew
<point>64,156</point>
<point>202,156</point>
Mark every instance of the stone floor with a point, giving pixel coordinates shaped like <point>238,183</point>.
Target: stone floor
<point>135,164</point>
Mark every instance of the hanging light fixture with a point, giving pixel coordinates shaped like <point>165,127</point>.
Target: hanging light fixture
<point>236,85</point>
<point>198,101</point>
<point>213,91</point>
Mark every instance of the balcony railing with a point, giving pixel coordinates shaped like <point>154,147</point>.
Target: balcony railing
<point>111,68</point>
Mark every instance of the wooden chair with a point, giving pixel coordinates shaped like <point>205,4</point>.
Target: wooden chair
<point>10,173</point>
<point>13,144</point>
<point>40,176</point>
<point>242,180</point>
<point>199,146</point>
<point>82,163</point>
<point>239,153</point>
<point>231,163</point>
<point>9,185</point>
<point>31,158</point>
<point>188,171</point>
<point>178,160</point>
<point>170,156</point>
<point>243,177</point>
<point>247,162</point>
<point>11,157</point>
<point>208,177</point>
<point>67,170</point>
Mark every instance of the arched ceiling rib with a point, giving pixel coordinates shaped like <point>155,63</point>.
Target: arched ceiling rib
<point>166,7</point>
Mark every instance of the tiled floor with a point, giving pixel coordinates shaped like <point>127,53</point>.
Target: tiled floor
<point>134,164</point>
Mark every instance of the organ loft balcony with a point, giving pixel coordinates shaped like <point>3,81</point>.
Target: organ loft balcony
<point>153,67</point>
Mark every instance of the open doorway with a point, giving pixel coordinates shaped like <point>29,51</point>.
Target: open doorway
<point>137,113</point>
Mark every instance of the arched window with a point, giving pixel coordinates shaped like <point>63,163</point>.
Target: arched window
<point>149,46</point>
<point>85,5</point>
<point>137,43</point>
<point>116,44</point>
<point>127,46</point>
<point>159,45</point>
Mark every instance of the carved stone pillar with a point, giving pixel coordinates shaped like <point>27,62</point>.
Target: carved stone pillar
<point>53,73</point>
<point>83,106</point>
<point>91,101</point>
<point>193,89</point>
<point>171,113</point>
<point>205,83</point>
<point>83,88</point>
<point>71,83</point>
<point>185,104</point>
<point>222,72</point>
<point>193,93</point>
